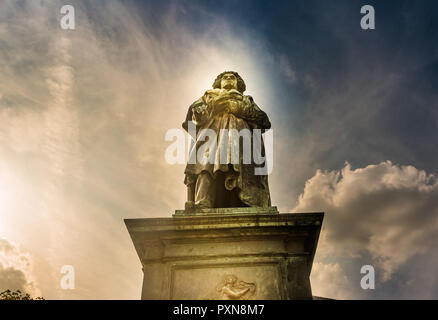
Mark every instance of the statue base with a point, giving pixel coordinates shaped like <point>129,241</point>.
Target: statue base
<point>227,253</point>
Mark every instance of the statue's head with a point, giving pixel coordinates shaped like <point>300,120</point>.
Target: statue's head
<point>229,80</point>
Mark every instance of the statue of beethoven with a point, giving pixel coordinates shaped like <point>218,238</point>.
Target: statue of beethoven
<point>222,121</point>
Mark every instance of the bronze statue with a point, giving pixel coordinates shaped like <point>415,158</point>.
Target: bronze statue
<point>225,181</point>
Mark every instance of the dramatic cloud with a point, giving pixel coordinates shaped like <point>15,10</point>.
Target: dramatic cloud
<point>16,269</point>
<point>329,281</point>
<point>84,112</point>
<point>83,118</point>
<point>383,215</point>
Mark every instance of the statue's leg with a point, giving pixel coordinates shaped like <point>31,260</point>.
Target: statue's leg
<point>191,192</point>
<point>190,203</point>
<point>205,191</point>
<point>190,181</point>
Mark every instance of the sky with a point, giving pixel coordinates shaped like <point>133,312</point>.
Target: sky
<point>84,112</point>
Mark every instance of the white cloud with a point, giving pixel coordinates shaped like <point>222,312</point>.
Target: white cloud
<point>329,281</point>
<point>386,212</point>
<point>16,271</point>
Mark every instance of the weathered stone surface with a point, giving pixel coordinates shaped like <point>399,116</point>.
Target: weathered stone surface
<point>227,254</point>
<point>226,211</point>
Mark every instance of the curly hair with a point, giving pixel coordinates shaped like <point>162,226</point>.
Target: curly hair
<point>241,86</point>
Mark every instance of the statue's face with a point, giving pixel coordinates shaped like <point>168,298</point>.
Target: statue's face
<point>229,81</point>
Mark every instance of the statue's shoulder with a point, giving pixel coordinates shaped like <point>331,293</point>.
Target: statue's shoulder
<point>214,92</point>
<point>248,98</point>
<point>197,102</point>
<point>249,102</point>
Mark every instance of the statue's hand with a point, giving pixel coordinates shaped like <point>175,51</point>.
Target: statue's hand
<point>235,107</point>
<point>221,99</point>
<point>220,103</point>
<point>231,102</point>
<point>201,109</point>
<point>227,95</point>
<point>200,113</point>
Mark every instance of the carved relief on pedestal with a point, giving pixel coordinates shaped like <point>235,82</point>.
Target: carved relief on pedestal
<point>231,288</point>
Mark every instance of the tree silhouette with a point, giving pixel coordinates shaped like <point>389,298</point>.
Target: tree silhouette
<point>17,295</point>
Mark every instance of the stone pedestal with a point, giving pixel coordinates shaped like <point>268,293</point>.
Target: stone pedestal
<point>233,253</point>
